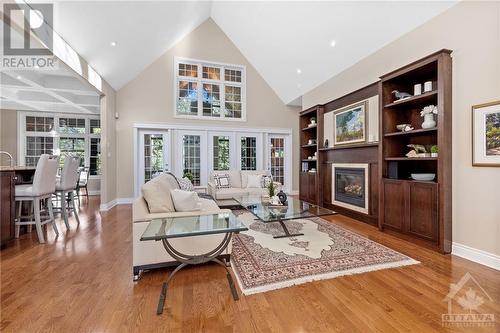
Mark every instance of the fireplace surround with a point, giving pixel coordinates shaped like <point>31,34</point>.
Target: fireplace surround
<point>350,186</point>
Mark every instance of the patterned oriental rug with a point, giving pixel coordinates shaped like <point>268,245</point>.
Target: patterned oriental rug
<point>262,263</point>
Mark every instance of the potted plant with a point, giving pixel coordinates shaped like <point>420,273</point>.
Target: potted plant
<point>271,188</point>
<point>434,151</point>
<point>187,174</point>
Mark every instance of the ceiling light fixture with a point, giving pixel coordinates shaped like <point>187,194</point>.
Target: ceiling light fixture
<point>19,77</point>
<point>113,43</point>
<point>333,43</point>
<point>299,70</point>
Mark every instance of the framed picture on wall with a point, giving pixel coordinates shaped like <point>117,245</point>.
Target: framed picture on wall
<point>350,124</point>
<point>486,134</point>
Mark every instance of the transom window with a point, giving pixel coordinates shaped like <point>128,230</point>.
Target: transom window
<point>62,135</point>
<point>209,90</point>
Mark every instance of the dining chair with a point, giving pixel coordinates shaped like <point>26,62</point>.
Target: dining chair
<point>83,181</point>
<point>42,188</point>
<point>65,186</point>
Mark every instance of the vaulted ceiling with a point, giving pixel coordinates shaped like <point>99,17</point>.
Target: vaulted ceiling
<point>289,43</point>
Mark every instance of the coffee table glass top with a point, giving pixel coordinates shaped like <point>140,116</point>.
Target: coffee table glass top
<point>294,209</point>
<point>174,227</point>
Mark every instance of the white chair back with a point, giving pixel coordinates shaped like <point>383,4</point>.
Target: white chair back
<point>44,180</point>
<point>70,174</point>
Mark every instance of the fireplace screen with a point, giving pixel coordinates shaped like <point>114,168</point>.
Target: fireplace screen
<point>350,186</point>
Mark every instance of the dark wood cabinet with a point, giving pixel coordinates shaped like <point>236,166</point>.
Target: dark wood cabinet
<point>7,206</point>
<point>393,211</point>
<point>308,189</point>
<point>410,207</point>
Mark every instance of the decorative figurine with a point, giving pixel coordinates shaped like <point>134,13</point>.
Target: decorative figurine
<point>400,95</point>
<point>282,196</point>
<point>326,143</point>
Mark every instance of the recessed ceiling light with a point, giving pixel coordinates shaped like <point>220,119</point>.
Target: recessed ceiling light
<point>113,43</point>
<point>19,77</point>
<point>299,70</point>
<point>333,43</point>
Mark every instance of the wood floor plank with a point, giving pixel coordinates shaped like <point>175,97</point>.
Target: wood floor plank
<point>81,281</point>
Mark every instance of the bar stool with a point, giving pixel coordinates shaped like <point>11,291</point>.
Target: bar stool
<point>44,185</point>
<point>66,185</point>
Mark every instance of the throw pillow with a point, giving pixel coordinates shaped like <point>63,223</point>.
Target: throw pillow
<point>254,181</point>
<point>185,184</point>
<point>266,180</point>
<point>185,201</point>
<point>222,181</point>
<point>156,192</point>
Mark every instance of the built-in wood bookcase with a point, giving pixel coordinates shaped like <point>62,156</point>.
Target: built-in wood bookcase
<point>421,210</point>
<point>309,168</point>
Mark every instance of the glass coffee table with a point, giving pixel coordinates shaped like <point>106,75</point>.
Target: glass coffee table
<point>294,209</point>
<point>169,228</point>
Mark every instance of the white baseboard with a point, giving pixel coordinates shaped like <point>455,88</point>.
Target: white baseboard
<point>118,201</point>
<point>479,256</point>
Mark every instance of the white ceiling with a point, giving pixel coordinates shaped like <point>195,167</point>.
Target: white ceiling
<point>276,37</point>
<point>58,89</point>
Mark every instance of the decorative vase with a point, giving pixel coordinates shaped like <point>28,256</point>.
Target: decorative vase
<point>282,196</point>
<point>429,121</point>
<point>434,154</point>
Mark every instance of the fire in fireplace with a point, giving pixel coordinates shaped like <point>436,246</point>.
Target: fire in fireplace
<point>350,186</point>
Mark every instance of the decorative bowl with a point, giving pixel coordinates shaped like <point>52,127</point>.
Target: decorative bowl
<point>423,176</point>
<point>401,127</point>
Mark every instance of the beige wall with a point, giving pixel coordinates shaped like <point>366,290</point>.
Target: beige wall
<point>8,135</point>
<point>108,144</point>
<point>472,31</point>
<point>149,98</point>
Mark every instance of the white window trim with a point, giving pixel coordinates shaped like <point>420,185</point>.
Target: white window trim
<point>200,80</point>
<point>22,134</point>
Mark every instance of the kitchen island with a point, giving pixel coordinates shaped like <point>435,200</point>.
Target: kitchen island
<point>9,177</point>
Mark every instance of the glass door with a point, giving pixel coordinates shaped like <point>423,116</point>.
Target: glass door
<point>278,159</point>
<point>154,150</point>
<point>221,151</point>
<point>249,151</point>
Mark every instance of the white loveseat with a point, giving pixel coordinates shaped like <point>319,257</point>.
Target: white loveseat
<point>238,181</point>
<point>151,254</point>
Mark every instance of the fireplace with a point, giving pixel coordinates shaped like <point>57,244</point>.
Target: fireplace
<point>350,186</point>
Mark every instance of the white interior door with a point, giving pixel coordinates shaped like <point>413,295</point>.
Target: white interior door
<point>279,159</point>
<point>192,155</point>
<point>154,154</point>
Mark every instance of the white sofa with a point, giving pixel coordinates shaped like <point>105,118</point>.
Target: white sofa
<point>238,180</point>
<point>151,254</point>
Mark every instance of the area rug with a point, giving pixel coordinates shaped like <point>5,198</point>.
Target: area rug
<point>262,263</point>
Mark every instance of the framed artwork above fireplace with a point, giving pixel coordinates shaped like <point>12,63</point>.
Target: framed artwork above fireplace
<point>350,186</point>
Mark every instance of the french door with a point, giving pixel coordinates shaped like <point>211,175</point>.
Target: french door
<point>249,151</point>
<point>221,151</point>
<point>279,159</point>
<point>191,148</point>
<point>154,154</point>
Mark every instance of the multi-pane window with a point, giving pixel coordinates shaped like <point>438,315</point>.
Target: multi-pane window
<point>188,98</point>
<point>248,153</point>
<point>233,101</point>
<point>278,159</point>
<point>191,157</point>
<point>95,126</point>
<point>221,153</point>
<point>95,156</point>
<point>72,125</point>
<point>207,90</point>
<point>211,100</point>
<point>36,146</point>
<point>62,135</point>
<point>153,155</point>
<point>72,147</point>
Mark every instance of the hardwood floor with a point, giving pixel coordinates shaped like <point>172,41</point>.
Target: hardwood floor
<point>82,282</point>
